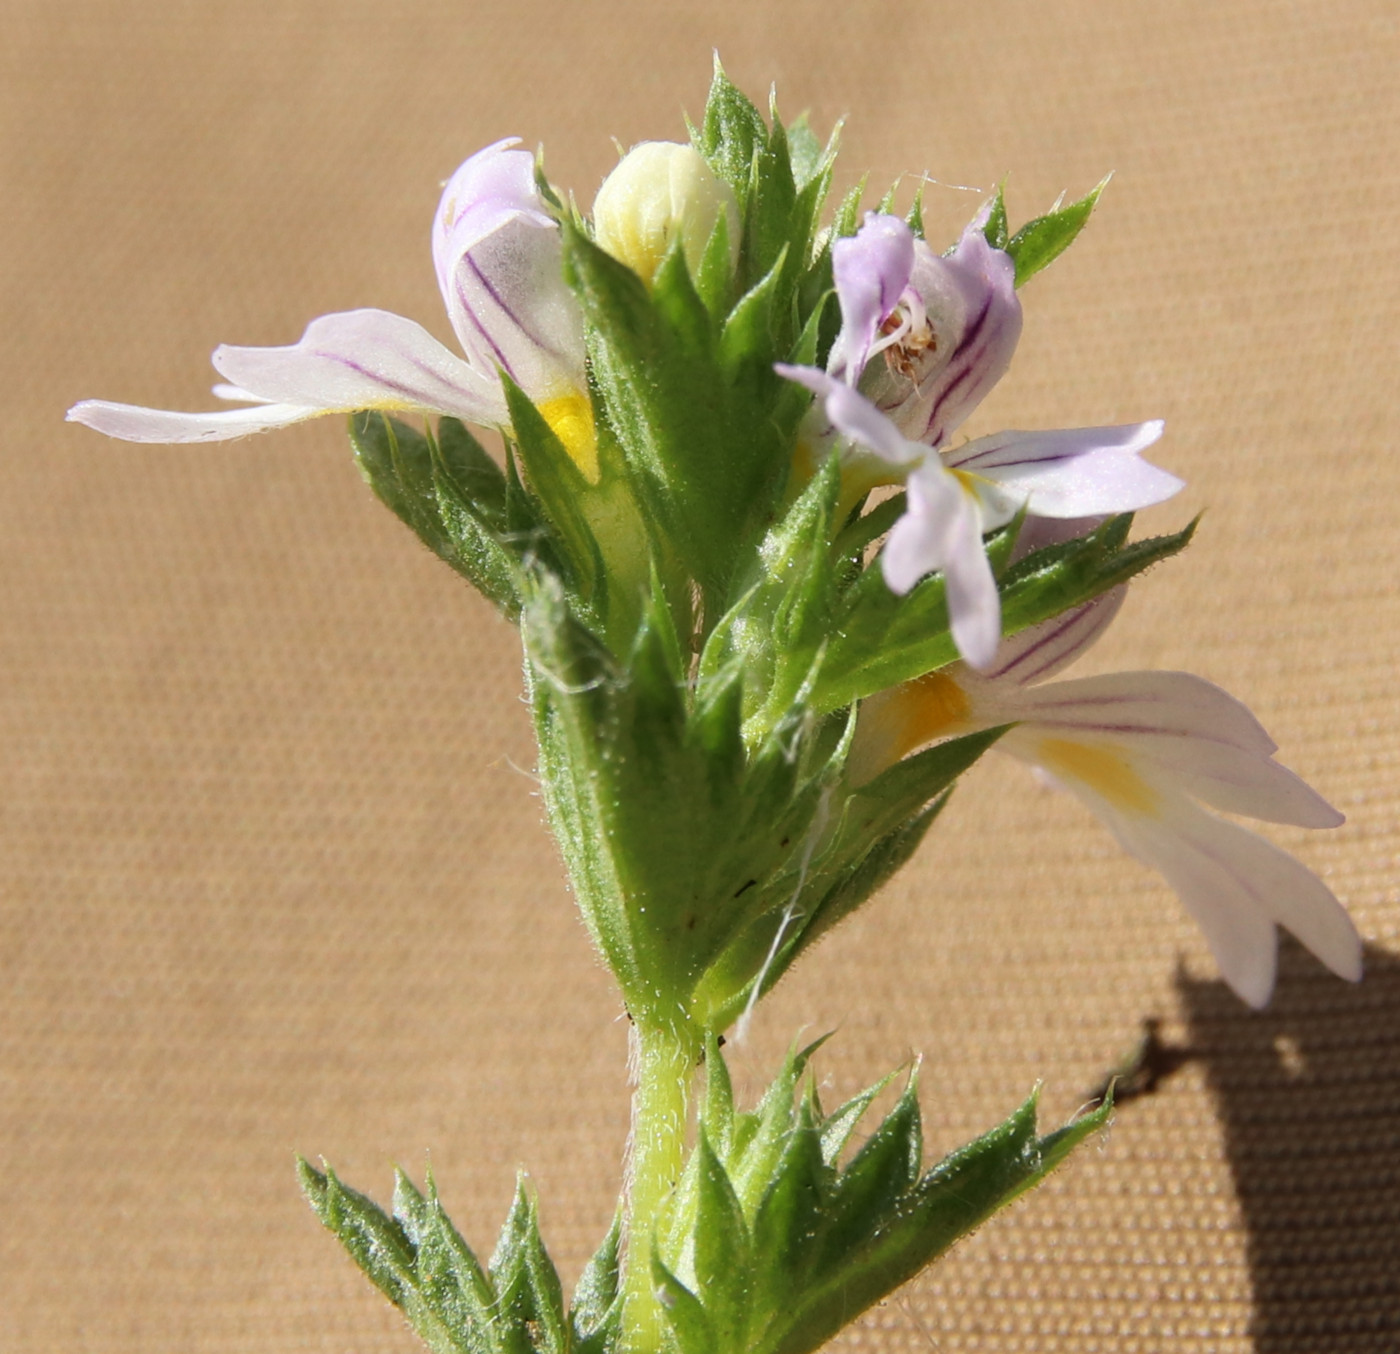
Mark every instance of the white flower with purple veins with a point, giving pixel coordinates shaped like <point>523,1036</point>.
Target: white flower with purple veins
<point>498,258</point>
<point>922,341</point>
<point>1141,749</point>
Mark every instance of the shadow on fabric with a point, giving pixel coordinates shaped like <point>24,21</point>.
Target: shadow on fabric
<point>1309,1096</point>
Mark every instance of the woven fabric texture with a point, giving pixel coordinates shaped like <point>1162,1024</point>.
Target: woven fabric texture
<point>274,875</point>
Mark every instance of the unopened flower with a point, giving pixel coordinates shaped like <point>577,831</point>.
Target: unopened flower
<point>498,259</point>
<point>661,191</point>
<point>922,340</point>
<point>1144,751</point>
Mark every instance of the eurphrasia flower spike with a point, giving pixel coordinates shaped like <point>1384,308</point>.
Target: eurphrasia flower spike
<point>498,258</point>
<point>1139,749</point>
<point>728,692</point>
<point>945,329</point>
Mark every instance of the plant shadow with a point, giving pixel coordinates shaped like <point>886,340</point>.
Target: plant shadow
<point>1308,1092</point>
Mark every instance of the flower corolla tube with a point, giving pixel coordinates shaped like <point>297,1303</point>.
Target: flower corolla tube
<point>497,253</point>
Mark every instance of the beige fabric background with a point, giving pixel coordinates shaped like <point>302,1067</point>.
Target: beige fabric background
<point>274,879</point>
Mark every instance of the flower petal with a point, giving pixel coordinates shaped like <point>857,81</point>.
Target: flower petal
<point>1189,733</point>
<point>871,270</point>
<point>499,261</point>
<point>942,529</point>
<point>1073,472</point>
<point>1042,650</point>
<point>854,417</point>
<point>1175,704</point>
<point>132,423</point>
<point>1237,885</point>
<point>365,359</point>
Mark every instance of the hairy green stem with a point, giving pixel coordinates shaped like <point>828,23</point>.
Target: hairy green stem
<point>665,1058</point>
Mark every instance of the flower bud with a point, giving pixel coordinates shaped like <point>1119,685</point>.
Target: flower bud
<point>660,190</point>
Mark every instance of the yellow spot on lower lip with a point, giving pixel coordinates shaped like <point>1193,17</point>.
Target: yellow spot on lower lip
<point>1103,769</point>
<point>929,707</point>
<point>570,419</point>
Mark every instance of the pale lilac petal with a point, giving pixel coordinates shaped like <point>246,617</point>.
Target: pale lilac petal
<point>1237,886</point>
<point>1187,733</point>
<point>365,359</point>
<point>942,530</point>
<point>969,299</point>
<point>222,390</point>
<point>1043,650</point>
<point>1237,928</point>
<point>1175,703</point>
<point>499,261</point>
<point>871,270</point>
<point>852,415</point>
<point>1071,473</point>
<point>134,424</point>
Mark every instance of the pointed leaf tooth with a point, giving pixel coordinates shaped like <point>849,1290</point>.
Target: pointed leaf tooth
<point>1039,242</point>
<point>596,1301</point>
<point>996,229</point>
<point>869,1190</point>
<point>837,1127</point>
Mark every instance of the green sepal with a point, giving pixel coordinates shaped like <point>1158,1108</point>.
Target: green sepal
<point>704,484</point>
<point>663,891</point>
<point>874,832</point>
<point>1040,242</point>
<point>914,219</point>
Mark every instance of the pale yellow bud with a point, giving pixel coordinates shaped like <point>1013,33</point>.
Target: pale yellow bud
<point>659,190</point>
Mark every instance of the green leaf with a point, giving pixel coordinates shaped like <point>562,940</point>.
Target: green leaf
<point>1041,241</point>
<point>472,506</point>
<point>837,1127</point>
<point>717,1109</point>
<point>417,1261</point>
<point>879,1175</point>
<point>809,157</point>
<point>791,1217</point>
<point>866,1258</point>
